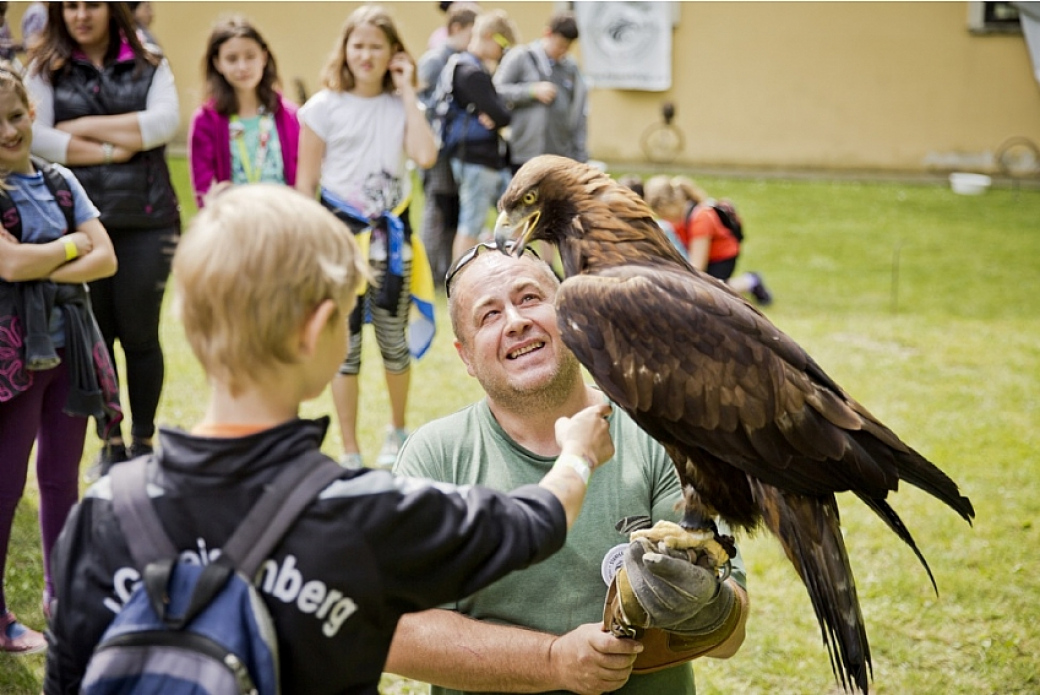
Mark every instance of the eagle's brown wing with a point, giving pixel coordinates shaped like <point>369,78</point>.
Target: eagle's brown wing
<point>702,370</point>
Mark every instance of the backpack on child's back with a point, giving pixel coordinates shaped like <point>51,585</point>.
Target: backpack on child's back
<point>727,213</point>
<point>191,629</point>
<point>449,118</point>
<point>730,219</point>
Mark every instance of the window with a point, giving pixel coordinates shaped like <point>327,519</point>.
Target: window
<point>993,18</point>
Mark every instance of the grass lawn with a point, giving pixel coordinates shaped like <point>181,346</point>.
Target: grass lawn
<point>923,305</point>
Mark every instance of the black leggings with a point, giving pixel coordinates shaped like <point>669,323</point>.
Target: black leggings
<point>127,306</point>
<point>722,270</point>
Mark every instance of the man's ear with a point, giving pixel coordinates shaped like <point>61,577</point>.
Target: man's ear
<point>464,355</point>
<point>314,325</point>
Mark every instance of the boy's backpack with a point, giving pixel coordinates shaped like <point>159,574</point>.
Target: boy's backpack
<point>449,118</point>
<point>191,629</point>
<point>727,215</point>
<point>59,188</point>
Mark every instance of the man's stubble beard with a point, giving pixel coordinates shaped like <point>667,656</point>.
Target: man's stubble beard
<point>544,398</point>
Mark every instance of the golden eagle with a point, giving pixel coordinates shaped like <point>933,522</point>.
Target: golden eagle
<point>757,430</point>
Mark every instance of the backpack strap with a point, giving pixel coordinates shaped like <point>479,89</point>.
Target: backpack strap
<point>534,61</point>
<point>271,517</point>
<point>691,205</point>
<point>453,118</point>
<point>144,533</point>
<point>9,217</point>
<point>60,191</point>
<point>257,534</point>
<point>210,582</point>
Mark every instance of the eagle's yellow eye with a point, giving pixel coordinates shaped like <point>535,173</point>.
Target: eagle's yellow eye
<point>530,198</point>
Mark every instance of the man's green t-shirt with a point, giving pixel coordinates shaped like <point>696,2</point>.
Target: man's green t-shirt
<point>567,590</point>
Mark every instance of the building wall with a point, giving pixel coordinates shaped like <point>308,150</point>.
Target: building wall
<point>789,85</point>
<point>835,85</point>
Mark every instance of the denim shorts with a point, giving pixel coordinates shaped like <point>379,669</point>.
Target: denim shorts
<point>479,190</point>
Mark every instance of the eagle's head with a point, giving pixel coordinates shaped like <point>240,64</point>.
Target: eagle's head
<point>571,204</point>
<point>544,198</point>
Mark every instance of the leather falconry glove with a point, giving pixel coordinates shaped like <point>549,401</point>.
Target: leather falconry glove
<point>678,609</point>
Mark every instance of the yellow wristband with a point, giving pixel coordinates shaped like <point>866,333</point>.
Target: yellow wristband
<point>577,464</point>
<point>71,251</point>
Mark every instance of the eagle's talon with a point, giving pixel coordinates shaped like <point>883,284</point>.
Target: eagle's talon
<point>725,570</point>
<point>704,547</point>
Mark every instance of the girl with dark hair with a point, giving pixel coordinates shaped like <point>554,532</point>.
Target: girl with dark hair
<point>245,131</point>
<point>106,107</point>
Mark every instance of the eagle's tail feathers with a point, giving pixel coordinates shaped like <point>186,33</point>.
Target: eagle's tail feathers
<point>809,531</point>
<point>885,511</point>
<point>923,474</point>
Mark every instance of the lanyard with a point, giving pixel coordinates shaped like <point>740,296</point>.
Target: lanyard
<point>253,174</point>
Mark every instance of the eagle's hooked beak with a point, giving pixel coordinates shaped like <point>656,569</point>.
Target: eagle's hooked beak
<point>503,227</point>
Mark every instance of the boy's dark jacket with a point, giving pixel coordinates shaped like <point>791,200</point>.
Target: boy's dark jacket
<point>369,549</point>
<point>473,88</point>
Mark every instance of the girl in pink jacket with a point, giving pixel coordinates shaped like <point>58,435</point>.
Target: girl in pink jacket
<point>245,131</point>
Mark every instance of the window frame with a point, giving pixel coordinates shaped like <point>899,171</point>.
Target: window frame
<point>981,20</point>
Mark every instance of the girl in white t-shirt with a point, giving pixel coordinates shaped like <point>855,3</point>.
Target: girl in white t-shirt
<point>355,136</point>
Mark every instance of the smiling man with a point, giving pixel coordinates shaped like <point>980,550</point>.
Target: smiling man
<point>538,630</point>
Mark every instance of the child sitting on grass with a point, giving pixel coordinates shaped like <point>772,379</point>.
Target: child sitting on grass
<point>688,215</point>
<point>264,279</point>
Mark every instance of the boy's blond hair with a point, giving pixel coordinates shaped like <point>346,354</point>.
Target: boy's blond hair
<point>256,262</point>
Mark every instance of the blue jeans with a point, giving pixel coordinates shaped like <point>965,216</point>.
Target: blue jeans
<point>479,190</point>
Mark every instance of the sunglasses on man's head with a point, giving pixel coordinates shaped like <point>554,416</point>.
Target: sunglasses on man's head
<point>475,251</point>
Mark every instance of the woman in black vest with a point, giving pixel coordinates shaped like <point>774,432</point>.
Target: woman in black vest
<point>106,107</point>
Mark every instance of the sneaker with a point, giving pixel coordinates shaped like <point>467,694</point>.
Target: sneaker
<point>761,294</point>
<point>352,460</point>
<point>18,639</point>
<point>138,448</point>
<point>108,457</point>
<point>388,454</point>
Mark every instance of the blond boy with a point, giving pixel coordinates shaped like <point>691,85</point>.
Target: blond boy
<point>264,279</point>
